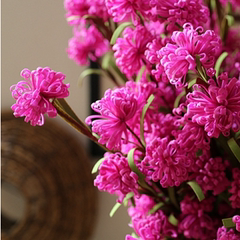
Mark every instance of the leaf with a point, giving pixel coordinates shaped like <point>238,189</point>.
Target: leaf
<point>106,60</point>
<point>234,148</point>
<point>119,30</point>
<point>97,165</point>
<point>178,98</point>
<point>172,197</point>
<point>88,72</point>
<point>219,62</point>
<point>115,208</point>
<point>197,189</point>
<point>132,164</point>
<point>173,220</point>
<point>128,196</point>
<point>155,208</point>
<point>191,83</point>
<point>228,223</point>
<point>140,73</point>
<point>200,69</point>
<point>230,20</point>
<point>145,108</point>
<point>117,71</point>
<point>134,235</point>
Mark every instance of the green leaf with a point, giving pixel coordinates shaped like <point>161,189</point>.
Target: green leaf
<point>173,220</point>
<point>97,165</point>
<point>228,223</point>
<point>230,20</point>
<point>117,71</point>
<point>219,62</point>
<point>128,196</point>
<point>88,72</point>
<point>134,235</point>
<point>145,108</point>
<point>119,30</point>
<point>139,76</point>
<point>106,60</point>
<point>197,189</point>
<point>178,98</point>
<point>132,164</point>
<point>155,208</point>
<point>200,69</point>
<point>234,148</point>
<point>64,105</point>
<point>115,208</point>
<point>172,197</point>
<point>191,83</point>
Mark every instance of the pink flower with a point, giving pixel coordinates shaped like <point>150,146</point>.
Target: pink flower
<point>166,163</point>
<point>129,50</point>
<point>180,12</point>
<point>116,108</point>
<point>34,93</point>
<point>216,108</point>
<point>235,189</point>
<point>236,219</point>
<point>180,56</point>
<point>225,234</point>
<point>210,174</point>
<point>115,176</point>
<point>194,221</point>
<point>76,9</point>
<point>87,43</point>
<point>121,10</point>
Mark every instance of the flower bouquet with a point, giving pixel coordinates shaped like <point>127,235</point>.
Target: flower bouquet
<point>171,125</point>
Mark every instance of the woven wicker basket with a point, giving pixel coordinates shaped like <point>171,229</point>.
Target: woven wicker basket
<point>52,171</point>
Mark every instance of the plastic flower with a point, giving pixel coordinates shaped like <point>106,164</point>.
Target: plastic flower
<point>123,9</point>
<point>76,9</point>
<point>216,108</point>
<point>210,174</point>
<point>116,109</point>
<point>129,50</point>
<point>87,43</point>
<point>180,56</point>
<point>235,189</point>
<point>225,234</point>
<point>166,163</point>
<point>115,176</point>
<point>180,12</point>
<point>33,95</point>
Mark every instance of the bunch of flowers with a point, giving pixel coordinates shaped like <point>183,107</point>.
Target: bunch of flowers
<point>171,126</point>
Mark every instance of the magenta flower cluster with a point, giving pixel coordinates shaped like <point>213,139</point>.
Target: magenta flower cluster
<point>171,125</point>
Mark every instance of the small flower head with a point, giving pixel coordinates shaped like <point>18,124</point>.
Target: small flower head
<point>216,108</point>
<point>166,163</point>
<point>116,109</point>
<point>129,50</point>
<point>236,219</point>
<point>180,56</point>
<point>87,43</point>
<point>34,93</point>
<point>235,189</point>
<point>225,234</point>
<point>116,177</point>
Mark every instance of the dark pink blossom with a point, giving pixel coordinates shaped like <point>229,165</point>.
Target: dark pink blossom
<point>216,108</point>
<point>180,56</point>
<point>116,177</point>
<point>210,174</point>
<point>34,93</point>
<point>235,189</point>
<point>236,219</point>
<point>87,43</point>
<point>117,109</point>
<point>122,10</point>
<point>225,234</point>
<point>180,12</point>
<point>129,50</point>
<point>76,9</point>
<point>165,162</point>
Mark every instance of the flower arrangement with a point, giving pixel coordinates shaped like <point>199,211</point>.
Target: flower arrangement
<point>171,125</point>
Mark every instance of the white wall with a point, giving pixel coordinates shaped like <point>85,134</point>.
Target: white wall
<point>35,33</point>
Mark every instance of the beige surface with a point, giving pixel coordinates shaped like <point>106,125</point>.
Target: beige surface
<point>35,33</point>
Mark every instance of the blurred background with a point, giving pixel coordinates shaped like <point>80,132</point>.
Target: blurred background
<point>35,33</point>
